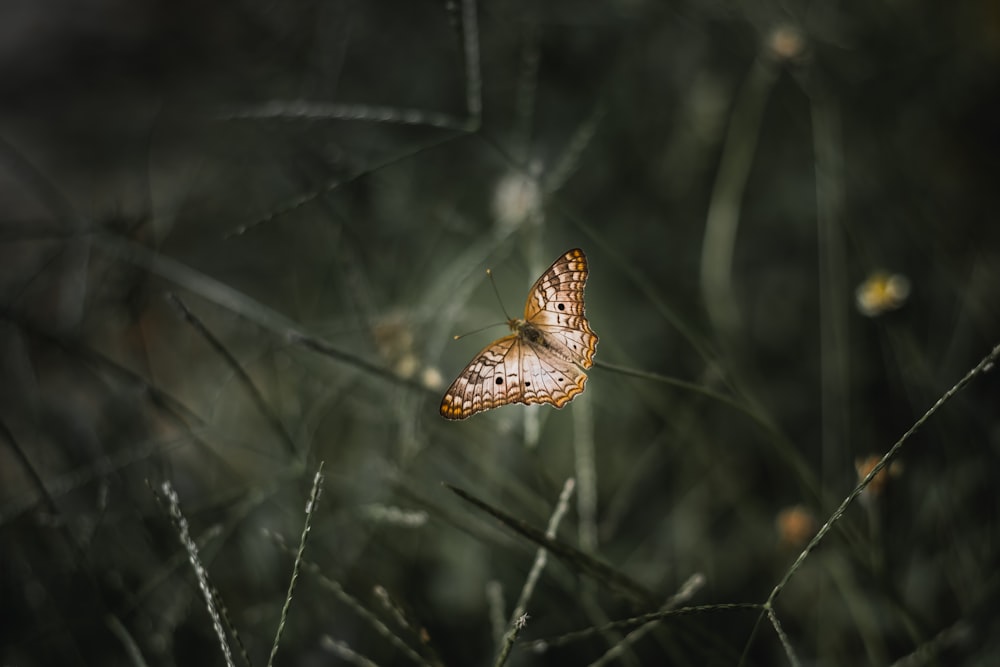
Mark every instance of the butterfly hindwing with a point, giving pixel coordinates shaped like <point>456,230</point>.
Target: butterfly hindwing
<point>574,345</point>
<point>549,379</point>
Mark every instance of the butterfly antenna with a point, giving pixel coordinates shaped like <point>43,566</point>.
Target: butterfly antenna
<point>469,333</point>
<point>489,272</point>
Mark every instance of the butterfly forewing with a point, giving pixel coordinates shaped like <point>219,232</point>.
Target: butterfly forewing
<point>555,307</point>
<point>540,362</point>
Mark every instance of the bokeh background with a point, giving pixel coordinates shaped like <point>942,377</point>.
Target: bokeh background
<point>237,238</point>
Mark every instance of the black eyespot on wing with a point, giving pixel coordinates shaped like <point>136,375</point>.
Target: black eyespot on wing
<point>527,383</point>
<point>562,306</point>
<point>560,379</point>
<point>499,380</point>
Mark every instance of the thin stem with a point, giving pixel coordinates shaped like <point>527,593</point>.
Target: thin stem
<point>311,506</point>
<point>181,525</point>
<point>988,361</point>
<point>722,220</point>
<point>519,616</point>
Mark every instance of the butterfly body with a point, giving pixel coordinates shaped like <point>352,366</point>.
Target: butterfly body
<point>526,332</point>
<point>543,358</point>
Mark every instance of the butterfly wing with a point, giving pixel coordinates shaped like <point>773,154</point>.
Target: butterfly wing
<point>490,380</point>
<point>547,378</point>
<point>555,308</point>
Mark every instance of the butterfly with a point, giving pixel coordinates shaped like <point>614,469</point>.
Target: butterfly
<point>542,360</point>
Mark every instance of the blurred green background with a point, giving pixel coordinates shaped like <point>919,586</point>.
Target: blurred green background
<point>338,175</point>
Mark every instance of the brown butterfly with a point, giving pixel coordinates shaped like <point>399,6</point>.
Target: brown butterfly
<point>542,360</point>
